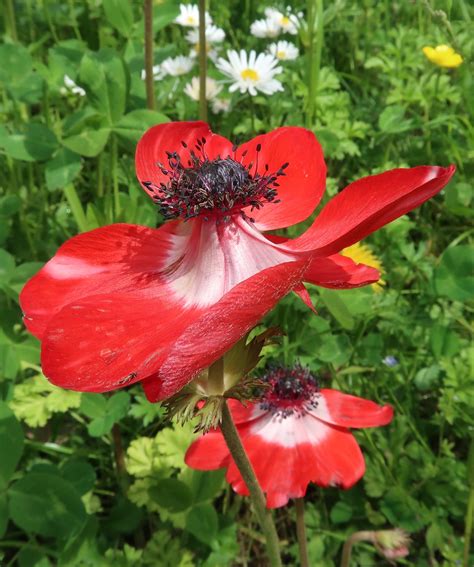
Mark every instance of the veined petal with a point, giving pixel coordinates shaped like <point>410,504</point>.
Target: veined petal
<point>104,342</point>
<point>152,147</point>
<point>213,332</point>
<point>345,410</point>
<point>310,450</point>
<point>339,272</point>
<point>368,204</point>
<point>106,260</point>
<point>303,184</point>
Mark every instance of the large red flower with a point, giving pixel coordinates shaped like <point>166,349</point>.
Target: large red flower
<point>128,303</point>
<point>297,434</point>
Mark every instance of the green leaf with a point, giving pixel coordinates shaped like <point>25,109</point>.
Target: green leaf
<point>119,13</point>
<point>173,443</point>
<point>88,143</point>
<point>337,308</point>
<point>7,266</point>
<point>9,205</point>
<point>104,412</point>
<point>11,443</point>
<point>172,494</point>
<point>444,341</point>
<point>392,120</point>
<point>62,169</point>
<point>47,505</point>
<point>93,405</point>
<point>341,512</point>
<point>35,401</point>
<point>205,485</point>
<point>426,378</point>
<point>15,63</point>
<point>143,457</point>
<point>3,513</point>
<point>454,277</point>
<point>79,473</point>
<point>105,79</point>
<point>133,125</point>
<point>167,12</point>
<point>36,143</point>
<point>203,523</point>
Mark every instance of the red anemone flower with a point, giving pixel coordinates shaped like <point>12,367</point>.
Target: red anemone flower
<point>125,303</point>
<point>296,434</point>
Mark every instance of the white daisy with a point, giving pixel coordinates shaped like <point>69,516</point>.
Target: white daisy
<point>251,72</point>
<point>157,73</point>
<point>284,50</point>
<point>213,35</point>
<point>220,105</point>
<point>189,16</point>
<point>176,66</point>
<point>287,23</point>
<point>70,86</point>
<point>265,28</point>
<point>212,88</point>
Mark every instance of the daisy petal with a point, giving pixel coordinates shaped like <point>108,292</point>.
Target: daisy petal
<point>345,410</point>
<point>154,144</point>
<point>368,204</point>
<point>303,185</point>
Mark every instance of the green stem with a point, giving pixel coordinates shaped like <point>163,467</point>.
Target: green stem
<point>202,61</point>
<point>76,207</point>
<point>10,19</point>
<point>350,541</point>
<point>315,44</point>
<point>301,532</point>
<point>100,175</point>
<point>241,459</point>
<point>470,505</point>
<point>113,167</point>
<point>149,83</point>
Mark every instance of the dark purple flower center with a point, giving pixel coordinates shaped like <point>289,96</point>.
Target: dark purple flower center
<point>217,188</point>
<point>289,391</point>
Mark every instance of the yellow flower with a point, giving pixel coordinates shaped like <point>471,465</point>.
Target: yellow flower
<point>362,254</point>
<point>443,56</point>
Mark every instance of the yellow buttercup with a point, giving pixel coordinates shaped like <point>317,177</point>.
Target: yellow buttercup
<point>362,254</point>
<point>443,56</point>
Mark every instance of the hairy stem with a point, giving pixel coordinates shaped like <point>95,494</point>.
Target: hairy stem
<point>202,61</point>
<point>350,541</point>
<point>315,44</point>
<point>301,532</point>
<point>149,84</point>
<point>241,459</point>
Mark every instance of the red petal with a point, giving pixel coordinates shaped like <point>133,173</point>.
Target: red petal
<point>345,410</point>
<point>105,342</point>
<point>208,453</point>
<point>368,204</point>
<point>286,454</point>
<point>109,259</point>
<point>303,184</point>
<point>303,294</point>
<point>339,272</point>
<point>212,333</point>
<point>158,140</point>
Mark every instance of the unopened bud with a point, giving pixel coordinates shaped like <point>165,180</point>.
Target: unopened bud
<point>392,544</point>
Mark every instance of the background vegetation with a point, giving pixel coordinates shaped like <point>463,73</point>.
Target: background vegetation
<point>90,479</point>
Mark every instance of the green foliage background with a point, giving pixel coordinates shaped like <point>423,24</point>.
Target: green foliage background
<point>90,479</point>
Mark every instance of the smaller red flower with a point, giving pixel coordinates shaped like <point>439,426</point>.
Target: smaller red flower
<point>295,435</point>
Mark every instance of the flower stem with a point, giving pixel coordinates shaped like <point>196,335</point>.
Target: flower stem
<point>231,436</point>
<point>470,505</point>
<point>350,541</point>
<point>150,94</point>
<point>202,61</point>
<point>315,43</point>
<point>301,532</point>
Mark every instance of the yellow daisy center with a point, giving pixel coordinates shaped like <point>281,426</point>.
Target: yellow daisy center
<point>284,21</point>
<point>281,54</point>
<point>191,20</point>
<point>249,74</point>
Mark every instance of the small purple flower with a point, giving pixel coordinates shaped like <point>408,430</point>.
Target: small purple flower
<point>390,361</point>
